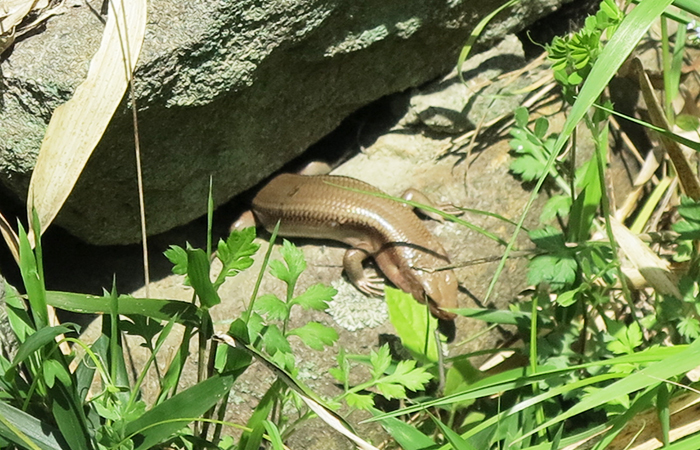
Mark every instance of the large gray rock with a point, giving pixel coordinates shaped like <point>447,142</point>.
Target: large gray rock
<point>225,88</point>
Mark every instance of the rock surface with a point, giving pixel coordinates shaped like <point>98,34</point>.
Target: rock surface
<point>225,89</point>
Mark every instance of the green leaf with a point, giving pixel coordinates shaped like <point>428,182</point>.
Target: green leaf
<point>178,256</point>
<point>69,415</point>
<point>456,441</point>
<point>627,338</point>
<point>273,307</point>
<point>548,238</point>
<point>161,422</point>
<point>541,127</point>
<point>501,316</point>
<point>689,209</point>
<point>38,340</point>
<point>143,326</point>
<point>27,431</point>
<point>17,315</point>
<point>359,401</point>
<point>406,435</point>
<point>688,230</point>
<point>52,370</point>
<point>689,327</point>
<point>316,335</point>
<point>521,116</point>
<point>316,297</point>
<point>391,390</point>
<point>342,372</point>
<point>409,376</point>
<point>198,272</point>
<point>687,122</point>
<point>557,205</point>
<point>567,298</point>
<point>458,379</point>
<point>275,341</point>
<point>558,271</point>
<point>33,282</point>
<point>184,312</point>
<point>414,325</point>
<point>295,264</point>
<point>274,433</point>
<point>380,361</point>
<point>250,440</point>
<point>528,167</point>
<point>236,253</point>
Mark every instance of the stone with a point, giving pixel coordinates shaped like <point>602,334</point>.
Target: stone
<point>228,90</point>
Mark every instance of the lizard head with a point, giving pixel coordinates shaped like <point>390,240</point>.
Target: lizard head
<point>441,292</point>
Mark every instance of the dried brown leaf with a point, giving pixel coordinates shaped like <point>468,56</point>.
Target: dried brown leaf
<point>77,126</point>
<point>688,180</point>
<point>655,270</point>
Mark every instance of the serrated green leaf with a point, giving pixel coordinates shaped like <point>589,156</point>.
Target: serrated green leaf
<point>689,327</point>
<point>557,270</point>
<point>294,258</point>
<point>279,270</point>
<point>316,335</point>
<point>528,167</point>
<point>359,401</point>
<point>143,326</point>
<point>273,307</point>
<point>316,297</point>
<point>557,205</point>
<point>409,376</point>
<point>391,390</point>
<point>687,229</point>
<point>236,253</point>
<point>627,338</point>
<point>548,238</point>
<point>178,257</point>
<point>689,209</point>
<point>274,340</point>
<point>380,361</point>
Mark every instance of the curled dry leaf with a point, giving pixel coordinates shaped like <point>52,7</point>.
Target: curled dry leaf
<point>10,237</point>
<point>655,270</point>
<point>77,126</point>
<point>688,180</point>
<point>12,13</point>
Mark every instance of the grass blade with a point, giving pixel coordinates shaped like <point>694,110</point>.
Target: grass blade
<point>160,309</point>
<point>26,430</point>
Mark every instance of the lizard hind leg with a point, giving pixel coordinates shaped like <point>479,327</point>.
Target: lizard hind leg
<point>367,283</point>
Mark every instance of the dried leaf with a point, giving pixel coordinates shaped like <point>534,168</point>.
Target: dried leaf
<point>12,12</point>
<point>77,126</point>
<point>688,180</point>
<point>10,237</point>
<point>655,270</point>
